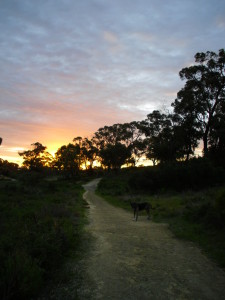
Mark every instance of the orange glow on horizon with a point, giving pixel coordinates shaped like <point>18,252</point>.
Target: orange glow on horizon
<point>11,154</point>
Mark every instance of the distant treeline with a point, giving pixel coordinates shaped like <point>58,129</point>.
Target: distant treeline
<point>193,175</point>
<point>197,114</point>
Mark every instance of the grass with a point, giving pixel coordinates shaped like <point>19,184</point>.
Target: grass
<point>197,216</point>
<point>41,224</point>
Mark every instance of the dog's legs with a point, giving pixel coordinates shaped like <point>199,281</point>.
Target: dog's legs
<point>137,214</point>
<point>148,212</point>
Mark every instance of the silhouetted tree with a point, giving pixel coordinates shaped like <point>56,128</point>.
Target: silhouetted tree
<point>114,156</point>
<point>204,92</point>
<point>187,134</point>
<point>8,168</point>
<point>132,137</point>
<point>161,143</point>
<point>217,137</point>
<point>67,159</point>
<point>37,158</point>
<point>128,134</point>
<point>89,153</point>
<point>78,142</point>
<point>107,135</point>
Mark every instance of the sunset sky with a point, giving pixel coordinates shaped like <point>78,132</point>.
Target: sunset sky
<point>69,67</point>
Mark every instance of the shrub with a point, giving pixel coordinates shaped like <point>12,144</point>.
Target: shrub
<point>178,176</point>
<point>38,230</point>
<point>113,185</point>
<point>211,212</point>
<point>20,276</point>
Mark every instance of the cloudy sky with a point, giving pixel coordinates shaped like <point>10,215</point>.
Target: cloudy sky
<point>69,67</point>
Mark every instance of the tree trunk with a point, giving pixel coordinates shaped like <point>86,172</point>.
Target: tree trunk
<point>205,141</point>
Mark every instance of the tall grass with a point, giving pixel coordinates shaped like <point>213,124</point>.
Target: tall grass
<point>40,224</point>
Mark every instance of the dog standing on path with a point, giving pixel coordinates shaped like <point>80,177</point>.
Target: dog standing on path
<point>141,206</point>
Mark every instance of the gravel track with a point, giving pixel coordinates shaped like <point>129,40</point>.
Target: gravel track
<point>143,260</point>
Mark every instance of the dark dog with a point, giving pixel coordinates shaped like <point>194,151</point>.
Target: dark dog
<point>141,206</point>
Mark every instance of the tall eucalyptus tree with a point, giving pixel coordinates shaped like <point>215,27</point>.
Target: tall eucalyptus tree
<point>203,95</point>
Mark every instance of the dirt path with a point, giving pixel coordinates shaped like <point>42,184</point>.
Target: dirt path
<point>142,260</point>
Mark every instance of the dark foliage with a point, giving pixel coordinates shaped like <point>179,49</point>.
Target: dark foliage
<point>40,224</point>
<point>195,174</point>
<point>8,168</point>
<point>210,213</point>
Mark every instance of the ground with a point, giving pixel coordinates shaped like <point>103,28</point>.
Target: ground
<point>139,260</point>
<point>143,260</point>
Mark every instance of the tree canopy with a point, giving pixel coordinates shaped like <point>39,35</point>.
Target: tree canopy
<point>198,114</point>
<point>202,98</point>
<point>67,159</point>
<point>37,158</point>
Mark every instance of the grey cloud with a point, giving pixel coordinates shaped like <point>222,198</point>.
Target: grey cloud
<point>117,56</point>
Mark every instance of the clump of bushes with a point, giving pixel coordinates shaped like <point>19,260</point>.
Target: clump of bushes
<point>178,176</point>
<point>115,185</point>
<point>211,212</point>
<point>39,228</point>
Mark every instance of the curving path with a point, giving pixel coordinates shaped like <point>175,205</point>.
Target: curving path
<point>142,260</point>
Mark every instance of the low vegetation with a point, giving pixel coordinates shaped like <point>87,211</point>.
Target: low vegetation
<point>191,202</point>
<point>41,225</point>
<point>41,221</point>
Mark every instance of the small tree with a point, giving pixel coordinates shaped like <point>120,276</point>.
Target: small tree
<point>67,160</point>
<point>161,142</point>
<point>132,137</point>
<point>8,168</point>
<point>89,153</point>
<point>37,158</point>
<point>78,143</point>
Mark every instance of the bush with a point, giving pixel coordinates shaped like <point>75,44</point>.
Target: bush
<point>115,185</point>
<point>21,276</point>
<point>39,228</point>
<point>178,176</point>
<point>211,213</point>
